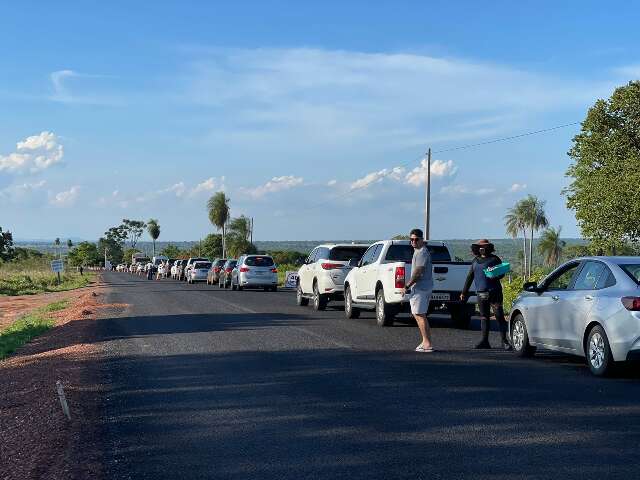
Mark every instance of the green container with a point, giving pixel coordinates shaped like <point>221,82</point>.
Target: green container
<point>498,270</point>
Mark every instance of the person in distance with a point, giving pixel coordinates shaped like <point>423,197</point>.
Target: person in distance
<point>419,287</point>
<point>488,290</point>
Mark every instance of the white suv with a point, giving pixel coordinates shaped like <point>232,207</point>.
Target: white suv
<point>321,278</point>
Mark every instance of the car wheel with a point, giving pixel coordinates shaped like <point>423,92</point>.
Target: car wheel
<point>319,300</point>
<point>240,287</point>
<point>384,312</point>
<point>349,310</point>
<point>266,289</point>
<point>520,338</point>
<point>274,289</point>
<point>461,315</point>
<point>233,285</point>
<point>301,301</point>
<point>598,352</point>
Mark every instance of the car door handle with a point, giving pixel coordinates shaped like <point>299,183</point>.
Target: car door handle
<point>555,298</point>
<point>588,298</point>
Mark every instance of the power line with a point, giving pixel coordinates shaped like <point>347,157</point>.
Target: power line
<point>462,147</point>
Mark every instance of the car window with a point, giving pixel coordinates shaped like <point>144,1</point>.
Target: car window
<point>368,255</point>
<point>633,270</point>
<point>312,256</point>
<point>346,254</point>
<point>323,254</point>
<point>562,280</point>
<point>591,274</point>
<point>259,261</point>
<point>376,254</point>
<point>202,265</point>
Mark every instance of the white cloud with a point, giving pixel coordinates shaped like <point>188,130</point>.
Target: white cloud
<point>19,192</point>
<point>439,168</point>
<point>276,184</point>
<point>34,154</point>
<point>517,187</point>
<point>465,190</point>
<point>631,71</point>
<point>209,185</point>
<point>80,94</point>
<point>60,92</point>
<point>65,198</point>
<point>332,183</point>
<point>177,188</point>
<point>376,177</point>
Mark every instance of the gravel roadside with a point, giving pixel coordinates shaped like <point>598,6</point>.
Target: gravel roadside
<point>37,440</point>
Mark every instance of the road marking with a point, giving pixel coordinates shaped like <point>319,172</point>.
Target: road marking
<point>236,306</point>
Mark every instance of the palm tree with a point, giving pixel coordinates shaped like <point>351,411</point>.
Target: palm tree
<point>515,223</point>
<point>56,242</point>
<point>69,244</point>
<point>218,209</point>
<point>535,219</point>
<point>551,246</point>
<point>153,227</point>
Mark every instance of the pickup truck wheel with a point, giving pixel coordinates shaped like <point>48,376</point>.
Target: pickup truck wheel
<point>384,311</point>
<point>301,301</point>
<point>349,310</point>
<point>461,315</point>
<point>319,300</point>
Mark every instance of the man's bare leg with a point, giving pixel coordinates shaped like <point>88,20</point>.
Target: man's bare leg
<point>425,330</point>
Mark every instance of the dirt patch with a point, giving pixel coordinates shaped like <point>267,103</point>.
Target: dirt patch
<point>37,440</point>
<point>13,307</point>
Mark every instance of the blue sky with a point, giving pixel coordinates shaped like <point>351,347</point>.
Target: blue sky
<point>313,118</point>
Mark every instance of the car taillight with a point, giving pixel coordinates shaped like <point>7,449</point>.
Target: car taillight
<point>228,270</point>
<point>631,303</point>
<point>331,266</point>
<point>274,270</point>
<point>244,269</point>
<point>399,277</point>
<point>217,269</point>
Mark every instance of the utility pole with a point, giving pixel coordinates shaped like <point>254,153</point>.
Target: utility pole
<point>251,231</point>
<point>427,206</point>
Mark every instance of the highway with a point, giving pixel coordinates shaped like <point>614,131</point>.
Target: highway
<point>209,383</point>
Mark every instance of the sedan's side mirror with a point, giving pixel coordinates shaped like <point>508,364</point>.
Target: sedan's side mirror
<point>531,287</point>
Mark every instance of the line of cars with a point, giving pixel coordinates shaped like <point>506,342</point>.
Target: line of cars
<point>589,307</point>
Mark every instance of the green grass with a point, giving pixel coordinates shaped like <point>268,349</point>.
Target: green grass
<point>35,276</point>
<point>282,270</point>
<point>27,327</point>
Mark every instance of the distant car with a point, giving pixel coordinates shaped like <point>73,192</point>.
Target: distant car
<point>198,272</point>
<point>214,272</point>
<point>187,266</point>
<point>224,280</point>
<point>588,307</point>
<point>255,271</point>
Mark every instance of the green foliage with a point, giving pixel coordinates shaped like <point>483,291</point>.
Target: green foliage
<point>21,254</point>
<point>211,246</point>
<point>400,237</point>
<point>133,229</point>
<point>19,279</point>
<point>513,289</point>
<point>6,245</point>
<point>127,254</point>
<point>551,246</point>
<point>153,227</point>
<point>170,251</point>
<point>238,246</point>
<point>283,269</point>
<point>218,210</point>
<point>605,172</point>
<point>69,244</point>
<point>28,327</point>
<point>288,257</point>
<point>114,250</point>
<point>85,253</point>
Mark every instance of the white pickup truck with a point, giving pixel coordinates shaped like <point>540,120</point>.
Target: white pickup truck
<point>378,282</point>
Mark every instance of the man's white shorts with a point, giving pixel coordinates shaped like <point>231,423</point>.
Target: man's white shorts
<point>419,301</point>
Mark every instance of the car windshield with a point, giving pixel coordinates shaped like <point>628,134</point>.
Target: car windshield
<point>202,265</point>
<point>259,261</point>
<point>404,253</point>
<point>220,263</point>
<point>346,254</point>
<point>231,264</point>
<point>633,270</point>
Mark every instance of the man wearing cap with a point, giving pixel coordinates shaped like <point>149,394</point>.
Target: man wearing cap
<point>488,290</point>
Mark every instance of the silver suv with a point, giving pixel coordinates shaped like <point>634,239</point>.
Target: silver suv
<point>255,271</point>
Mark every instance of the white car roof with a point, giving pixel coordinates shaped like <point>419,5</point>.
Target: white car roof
<point>333,245</point>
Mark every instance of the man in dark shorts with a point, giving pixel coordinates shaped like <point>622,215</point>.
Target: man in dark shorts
<point>488,290</point>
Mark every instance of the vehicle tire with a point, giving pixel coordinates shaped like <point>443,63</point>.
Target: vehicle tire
<point>319,300</point>
<point>384,311</point>
<point>301,301</point>
<point>266,289</point>
<point>240,288</point>
<point>461,315</point>
<point>598,352</point>
<point>233,286</point>
<point>520,338</point>
<point>349,310</point>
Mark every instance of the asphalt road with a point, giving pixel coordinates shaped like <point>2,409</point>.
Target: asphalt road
<point>209,383</point>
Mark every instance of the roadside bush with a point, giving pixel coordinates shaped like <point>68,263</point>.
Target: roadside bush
<point>513,289</point>
<point>282,271</point>
<point>33,275</point>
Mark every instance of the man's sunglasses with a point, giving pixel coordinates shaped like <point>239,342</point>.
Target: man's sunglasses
<point>415,239</point>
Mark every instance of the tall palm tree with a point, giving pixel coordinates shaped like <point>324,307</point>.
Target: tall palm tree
<point>218,209</point>
<point>69,244</point>
<point>153,227</point>
<point>56,242</point>
<point>515,224</point>
<point>551,246</point>
<point>536,219</point>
